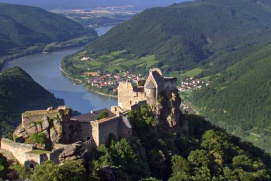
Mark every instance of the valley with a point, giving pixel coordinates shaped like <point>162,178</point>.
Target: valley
<point>192,82</point>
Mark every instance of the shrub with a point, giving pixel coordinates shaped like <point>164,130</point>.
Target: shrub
<point>102,115</point>
<point>35,139</point>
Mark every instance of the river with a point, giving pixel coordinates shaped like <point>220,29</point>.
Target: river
<point>45,70</point>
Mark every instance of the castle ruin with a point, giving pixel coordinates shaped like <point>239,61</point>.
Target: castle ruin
<point>130,96</point>
<point>62,131</point>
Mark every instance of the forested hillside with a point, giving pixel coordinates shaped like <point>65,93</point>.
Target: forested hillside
<point>25,26</point>
<point>239,99</point>
<point>183,35</point>
<point>18,93</point>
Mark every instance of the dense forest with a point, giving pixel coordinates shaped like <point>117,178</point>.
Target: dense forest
<point>19,93</point>
<point>155,152</point>
<point>239,99</point>
<point>26,29</point>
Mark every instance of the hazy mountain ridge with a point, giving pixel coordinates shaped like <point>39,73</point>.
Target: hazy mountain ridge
<point>24,26</point>
<point>71,4</point>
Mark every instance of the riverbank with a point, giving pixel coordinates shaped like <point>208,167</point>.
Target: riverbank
<point>66,74</point>
<point>47,48</point>
<point>81,82</point>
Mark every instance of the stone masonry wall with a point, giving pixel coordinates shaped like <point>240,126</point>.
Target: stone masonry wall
<point>106,127</point>
<point>34,159</point>
<point>125,92</point>
<point>17,149</point>
<point>102,128</point>
<point>127,96</point>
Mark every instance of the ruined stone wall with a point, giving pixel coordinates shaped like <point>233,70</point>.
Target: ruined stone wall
<point>138,105</point>
<point>86,131</point>
<point>151,101</point>
<point>101,129</point>
<point>128,97</point>
<point>125,93</point>
<point>140,95</point>
<point>34,159</point>
<point>107,126</point>
<point>80,131</point>
<point>95,132</point>
<point>17,149</point>
<point>30,117</point>
<point>170,83</point>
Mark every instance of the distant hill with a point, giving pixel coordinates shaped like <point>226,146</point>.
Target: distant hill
<point>183,35</point>
<point>71,4</point>
<point>18,93</point>
<point>25,26</point>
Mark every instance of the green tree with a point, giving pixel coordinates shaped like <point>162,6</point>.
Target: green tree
<point>3,166</point>
<point>23,172</point>
<point>48,170</point>
<point>102,158</point>
<point>69,170</point>
<point>102,115</point>
<point>35,138</point>
<point>215,141</point>
<point>72,170</point>
<point>201,160</point>
<point>180,168</point>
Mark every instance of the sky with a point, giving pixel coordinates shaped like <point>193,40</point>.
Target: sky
<point>88,4</point>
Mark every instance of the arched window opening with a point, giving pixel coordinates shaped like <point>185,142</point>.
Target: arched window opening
<point>31,166</point>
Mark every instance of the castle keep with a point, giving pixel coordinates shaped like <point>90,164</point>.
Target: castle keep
<point>130,96</point>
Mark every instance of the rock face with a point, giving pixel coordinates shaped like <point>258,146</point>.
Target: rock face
<point>72,152</point>
<point>51,124</point>
<point>169,109</point>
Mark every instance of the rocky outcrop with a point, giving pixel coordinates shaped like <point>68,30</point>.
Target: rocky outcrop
<point>52,124</point>
<point>72,152</point>
<point>169,111</point>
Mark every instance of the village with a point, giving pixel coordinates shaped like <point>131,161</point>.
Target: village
<point>190,84</point>
<point>111,80</point>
